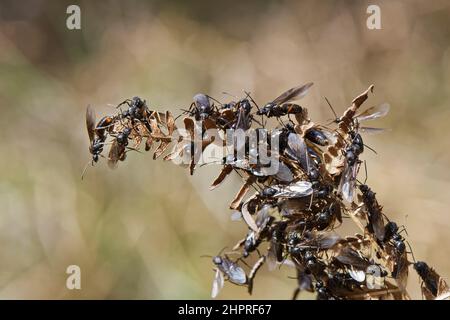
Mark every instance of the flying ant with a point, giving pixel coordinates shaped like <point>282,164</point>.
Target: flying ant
<point>137,108</point>
<point>312,241</point>
<point>371,113</point>
<point>297,189</point>
<point>230,270</point>
<point>97,134</point>
<point>275,253</point>
<point>201,107</point>
<point>254,238</point>
<point>397,249</point>
<point>243,115</point>
<point>326,218</point>
<point>374,215</point>
<point>433,285</point>
<point>351,166</point>
<point>226,268</point>
<point>117,150</point>
<point>280,107</point>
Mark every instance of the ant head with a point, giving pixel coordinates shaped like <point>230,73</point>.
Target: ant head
<point>363,188</point>
<point>323,217</point>
<point>201,101</point>
<point>217,260</point>
<point>392,227</point>
<point>319,284</point>
<point>245,103</point>
<point>269,192</point>
<point>137,100</point>
<point>289,126</point>
<point>421,267</point>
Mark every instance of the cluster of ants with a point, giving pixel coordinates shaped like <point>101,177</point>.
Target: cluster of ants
<point>293,213</point>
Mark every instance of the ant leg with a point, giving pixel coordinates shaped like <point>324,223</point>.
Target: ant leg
<point>133,149</point>
<point>403,229</point>
<point>296,293</point>
<point>281,122</point>
<point>127,102</point>
<point>289,117</point>
<point>258,122</point>
<point>243,261</point>
<point>371,149</point>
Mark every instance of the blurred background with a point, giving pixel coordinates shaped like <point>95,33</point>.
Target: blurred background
<point>138,232</point>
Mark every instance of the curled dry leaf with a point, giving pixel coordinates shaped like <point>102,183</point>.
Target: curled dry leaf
<point>291,218</point>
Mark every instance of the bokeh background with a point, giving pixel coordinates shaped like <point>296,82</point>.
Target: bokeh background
<point>139,231</point>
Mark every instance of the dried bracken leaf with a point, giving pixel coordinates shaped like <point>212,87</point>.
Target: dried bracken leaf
<point>241,193</point>
<point>295,210</point>
<point>226,170</point>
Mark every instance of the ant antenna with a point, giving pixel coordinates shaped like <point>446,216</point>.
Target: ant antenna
<point>229,94</point>
<point>249,96</point>
<point>243,261</point>
<point>412,254</point>
<point>220,252</point>
<point>334,113</point>
<point>257,107</point>
<point>85,168</point>
<point>403,229</point>
<point>126,101</point>
<point>240,175</point>
<point>209,256</point>
<point>365,170</point>
<point>371,149</point>
<point>214,99</point>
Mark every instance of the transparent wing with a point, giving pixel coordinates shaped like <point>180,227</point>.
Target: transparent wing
<point>293,94</point>
<point>400,272</point>
<point>262,217</point>
<point>321,240</point>
<point>248,217</point>
<point>371,131</point>
<point>299,150</point>
<point>327,240</point>
<point>357,275</point>
<point>297,190</point>
<point>374,112</point>
<point>90,122</point>
<point>351,257</point>
<point>114,154</point>
<point>272,260</point>
<point>217,283</point>
<point>348,181</point>
<point>236,274</point>
<point>284,173</point>
<point>302,187</point>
